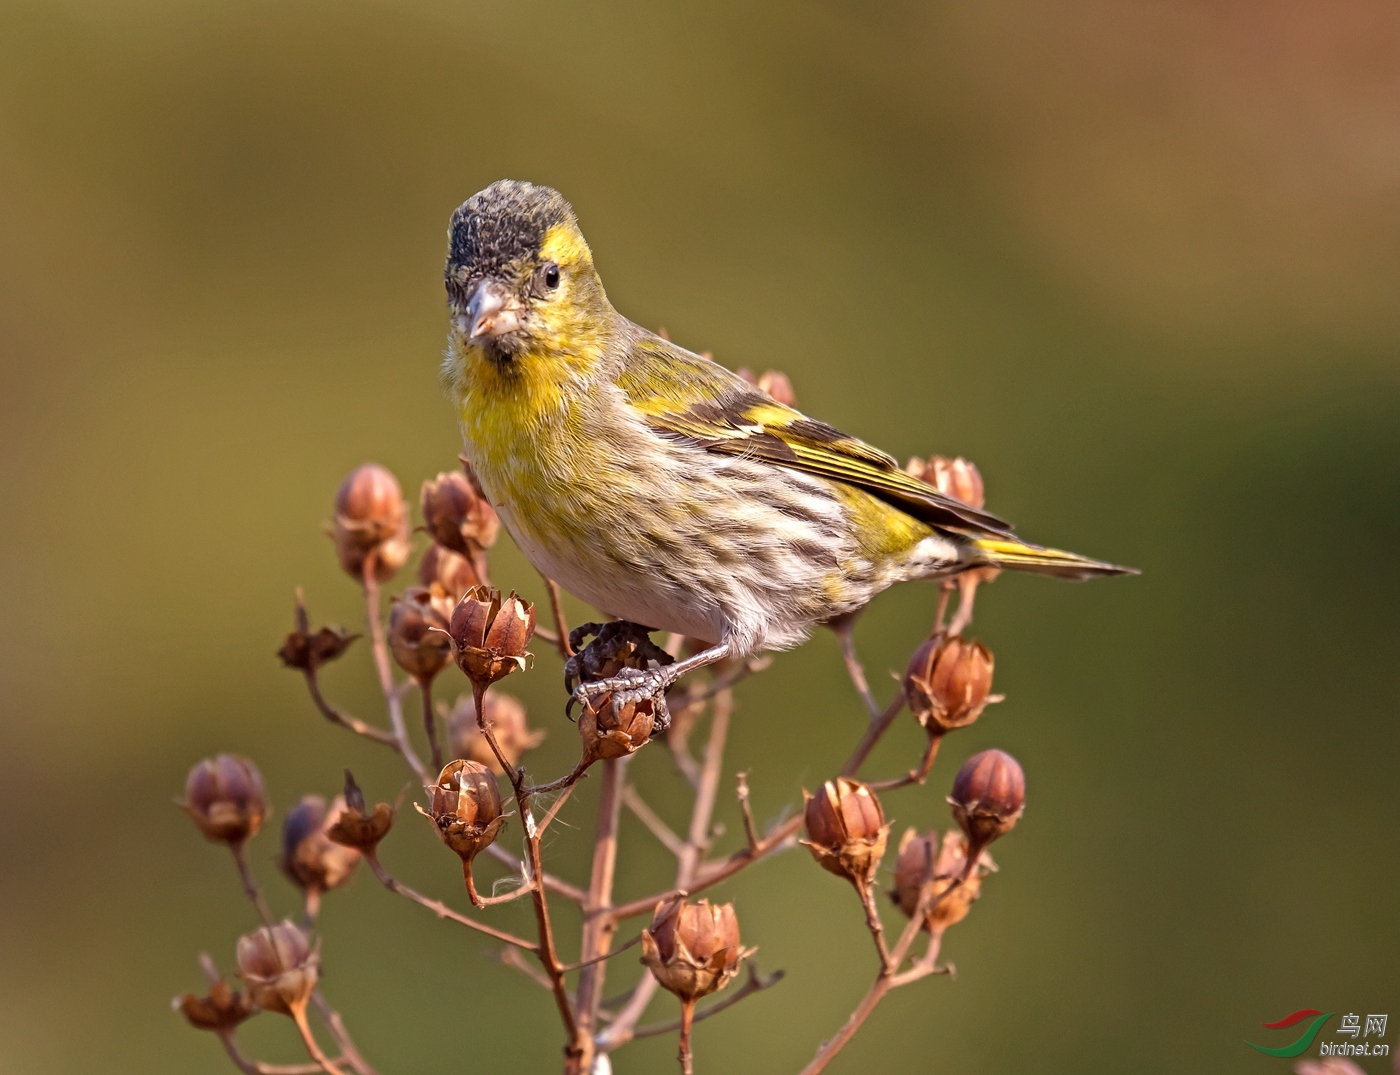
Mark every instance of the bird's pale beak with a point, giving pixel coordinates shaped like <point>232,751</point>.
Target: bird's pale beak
<point>491,312</point>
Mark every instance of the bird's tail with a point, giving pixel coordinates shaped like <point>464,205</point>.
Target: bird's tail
<point>1020,556</point>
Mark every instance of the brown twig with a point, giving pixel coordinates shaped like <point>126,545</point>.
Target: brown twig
<point>649,817</point>
<point>967,596</point>
<point>441,909</point>
<point>877,727</point>
<point>556,608</point>
<point>349,1052</point>
<point>554,884</point>
<point>393,696</point>
<point>914,776</point>
<point>945,590</point>
<point>687,1020</point>
<point>564,782</point>
<point>554,809</point>
<point>250,885</point>
<point>844,628</point>
<point>512,958</point>
<point>256,1067</point>
<point>776,838</point>
<point>620,1030</point>
<point>755,983</point>
<point>545,951</point>
<point>598,925</point>
<point>746,809</point>
<point>605,956</point>
<point>480,901</point>
<point>887,979</point>
<point>340,717</point>
<point>425,691</point>
<point>329,1066</point>
<point>872,921</point>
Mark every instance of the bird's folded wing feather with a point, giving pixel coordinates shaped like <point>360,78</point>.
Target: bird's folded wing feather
<point>685,397</point>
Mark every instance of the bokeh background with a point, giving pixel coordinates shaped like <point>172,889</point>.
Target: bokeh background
<point>1138,260</point>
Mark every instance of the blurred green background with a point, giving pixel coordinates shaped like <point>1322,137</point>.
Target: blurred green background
<point>1138,261</point>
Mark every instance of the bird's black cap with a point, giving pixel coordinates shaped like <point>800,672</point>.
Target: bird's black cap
<point>500,226</point>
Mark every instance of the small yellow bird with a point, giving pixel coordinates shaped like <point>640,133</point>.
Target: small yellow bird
<point>657,485</point>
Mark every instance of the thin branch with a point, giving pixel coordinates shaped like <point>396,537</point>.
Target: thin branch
<point>479,901</point>
<point>914,776</point>
<point>926,965</point>
<point>329,1066</point>
<point>556,607</point>
<point>256,1067</point>
<point>393,696</point>
<point>777,838</point>
<point>605,956</point>
<point>554,884</point>
<point>340,717</point>
<point>564,782</point>
<point>598,926</point>
<point>755,983</point>
<point>250,885</point>
<point>425,691</point>
<point>844,627</point>
<point>441,909</point>
<point>548,956</point>
<point>967,597</point>
<point>746,808</point>
<point>621,1028</point>
<point>687,1021</point>
<point>873,923</point>
<point>748,667</point>
<point>649,817</point>
<point>874,730</point>
<point>512,958</point>
<point>555,808</point>
<point>945,589</point>
<point>887,979</point>
<point>349,1052</point>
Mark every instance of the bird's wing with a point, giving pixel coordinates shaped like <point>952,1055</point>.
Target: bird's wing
<point>686,397</point>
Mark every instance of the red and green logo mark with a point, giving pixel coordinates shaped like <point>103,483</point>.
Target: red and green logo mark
<point>1304,1040</point>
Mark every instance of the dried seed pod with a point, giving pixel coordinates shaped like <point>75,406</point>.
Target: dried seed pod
<point>489,634</point>
<point>418,638</point>
<point>774,382</point>
<point>925,858</point>
<point>310,858</point>
<point>356,826</point>
<point>443,567</point>
<point>989,795</point>
<point>693,949</point>
<point>279,966</point>
<point>457,515</point>
<point>506,716</point>
<point>224,796</point>
<point>611,730</point>
<point>957,478</point>
<point>465,805</point>
<point>948,682</point>
<point>222,1010</point>
<point>308,650</point>
<point>846,829</point>
<point>371,520</point>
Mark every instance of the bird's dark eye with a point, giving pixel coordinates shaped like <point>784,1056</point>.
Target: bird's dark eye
<point>551,276</point>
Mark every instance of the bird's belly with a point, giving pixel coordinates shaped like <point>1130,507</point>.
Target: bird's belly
<point>615,588</point>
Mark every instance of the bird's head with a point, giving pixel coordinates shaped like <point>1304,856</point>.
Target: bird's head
<point>520,280</point>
